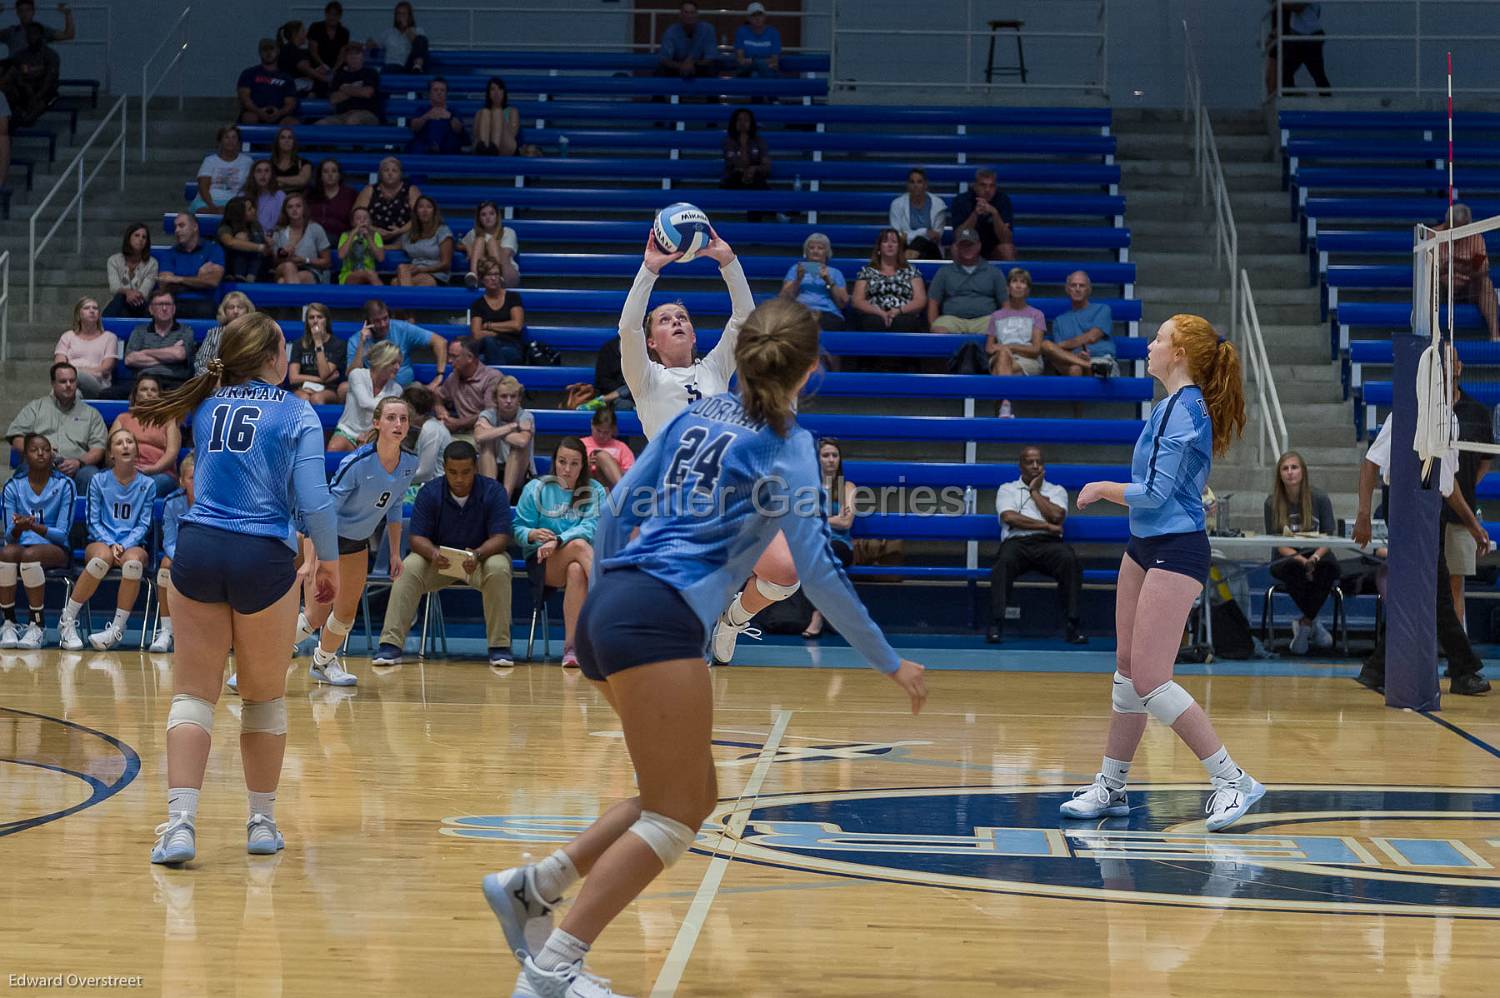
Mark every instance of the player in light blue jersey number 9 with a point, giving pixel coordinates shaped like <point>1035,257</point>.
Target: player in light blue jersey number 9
<point>259,455</point>
<point>711,491</point>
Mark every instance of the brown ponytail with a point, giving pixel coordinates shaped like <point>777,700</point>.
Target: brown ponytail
<point>248,344</point>
<point>777,346</point>
<point>1214,365</point>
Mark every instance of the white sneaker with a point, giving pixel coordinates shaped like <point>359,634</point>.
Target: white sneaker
<point>1230,800</point>
<point>513,897</point>
<point>1004,411</point>
<point>162,643</point>
<point>1300,637</point>
<point>727,635</point>
<point>106,639</point>
<point>8,637</point>
<point>33,637</point>
<point>67,636</point>
<point>565,982</point>
<point>1097,800</point>
<point>1320,636</point>
<point>176,840</point>
<point>262,837</point>
<point>332,673</point>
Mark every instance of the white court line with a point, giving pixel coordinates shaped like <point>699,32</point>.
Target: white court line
<point>692,924</point>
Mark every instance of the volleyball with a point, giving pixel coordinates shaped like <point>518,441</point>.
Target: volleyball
<point>681,227</point>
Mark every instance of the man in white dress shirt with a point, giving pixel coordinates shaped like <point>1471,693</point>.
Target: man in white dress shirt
<point>1032,511</point>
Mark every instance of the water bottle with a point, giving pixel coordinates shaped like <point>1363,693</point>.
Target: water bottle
<point>797,183</point>
<point>563,142</point>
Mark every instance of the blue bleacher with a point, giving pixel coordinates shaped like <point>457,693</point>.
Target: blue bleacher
<point>616,86</point>
<point>1364,242</point>
<point>448,60</point>
<point>1388,316</point>
<point>1370,277</point>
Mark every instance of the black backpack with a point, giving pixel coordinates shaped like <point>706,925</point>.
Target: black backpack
<point>968,359</point>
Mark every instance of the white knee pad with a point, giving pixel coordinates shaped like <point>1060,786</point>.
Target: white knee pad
<point>667,838</point>
<point>775,592</point>
<point>163,576</point>
<point>187,709</point>
<point>1126,700</point>
<point>338,628</point>
<point>32,574</point>
<point>267,717</point>
<point>7,573</point>
<point>1167,702</point>
<point>133,570</point>
<point>97,567</point>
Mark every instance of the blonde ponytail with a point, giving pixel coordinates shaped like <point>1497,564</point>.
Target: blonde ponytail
<point>777,346</point>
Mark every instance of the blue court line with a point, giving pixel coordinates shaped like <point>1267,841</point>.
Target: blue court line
<point>1474,740</point>
<point>100,793</point>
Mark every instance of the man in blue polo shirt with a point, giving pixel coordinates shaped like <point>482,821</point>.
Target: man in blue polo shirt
<point>1079,341</point>
<point>191,269</point>
<point>466,511</point>
<point>757,45</point>
<point>407,336</point>
<point>687,47</point>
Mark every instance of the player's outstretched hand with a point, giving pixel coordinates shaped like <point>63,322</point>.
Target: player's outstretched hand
<point>909,678</point>
<point>718,250</point>
<point>1090,494</point>
<point>656,258</point>
<point>326,581</point>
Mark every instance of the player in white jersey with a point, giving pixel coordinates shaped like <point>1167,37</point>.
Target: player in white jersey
<point>674,379</point>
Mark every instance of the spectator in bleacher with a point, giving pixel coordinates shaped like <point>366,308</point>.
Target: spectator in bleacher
<point>497,320</point>
<point>436,130</point>
<point>162,347</point>
<point>30,77</point>
<point>191,270</point>
<point>817,285</point>
<point>427,435</point>
<point>1307,574</point>
<point>1301,45</point>
<point>757,45</point>
<point>403,43</point>
<point>223,173</point>
<point>132,273</point>
<point>73,427</point>
<point>838,510</point>
<point>555,521</point>
<point>15,37</point>
<point>89,348</point>
<point>1471,272</point>
<point>354,91</point>
<point>609,456</point>
<point>37,516</point>
<point>328,37</point>
<point>315,373</point>
<point>469,390</point>
<point>429,248</point>
<point>157,445</point>
<point>330,202</point>
<point>1476,425</point>
<point>965,292</point>
<point>920,216</point>
<point>247,249</point>
<point>687,46</point>
<point>506,437</point>
<point>889,293</point>
<point>361,251</point>
<point>1032,511</point>
<point>367,386</point>
<point>987,210</point>
<point>231,307</point>
<point>267,95</point>
<point>292,172</point>
<point>295,59</point>
<point>747,159</point>
<point>302,247</point>
<point>1014,339</point>
<point>497,125</point>
<point>480,524</point>
<point>1080,342</point>
<point>390,200</point>
<point>608,388</point>
<point>491,239</point>
<point>267,195</point>
<point>406,336</point>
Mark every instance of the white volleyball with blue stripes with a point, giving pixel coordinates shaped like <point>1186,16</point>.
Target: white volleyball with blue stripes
<point>682,227</point>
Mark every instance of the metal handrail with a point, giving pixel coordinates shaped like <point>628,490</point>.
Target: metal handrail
<point>1267,399</point>
<point>179,28</point>
<point>74,168</point>
<point>5,305</point>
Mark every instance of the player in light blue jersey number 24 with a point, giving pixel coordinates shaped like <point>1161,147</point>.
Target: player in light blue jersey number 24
<point>711,491</point>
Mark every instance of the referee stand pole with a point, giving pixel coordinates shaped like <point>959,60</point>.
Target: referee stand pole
<point>1411,679</point>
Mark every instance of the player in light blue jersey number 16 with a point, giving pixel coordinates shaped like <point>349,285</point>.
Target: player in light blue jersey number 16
<point>1166,565</point>
<point>259,455</point>
<point>711,491</point>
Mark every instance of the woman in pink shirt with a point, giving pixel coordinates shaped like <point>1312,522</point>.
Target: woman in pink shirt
<point>89,349</point>
<point>609,456</point>
<point>1014,343</point>
<point>157,446</point>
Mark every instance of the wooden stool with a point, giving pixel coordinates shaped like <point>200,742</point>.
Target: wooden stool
<point>990,70</point>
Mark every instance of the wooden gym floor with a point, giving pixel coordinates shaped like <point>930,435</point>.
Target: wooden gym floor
<point>858,850</point>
